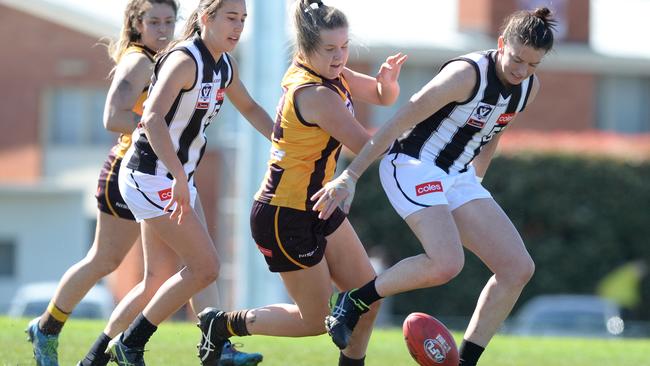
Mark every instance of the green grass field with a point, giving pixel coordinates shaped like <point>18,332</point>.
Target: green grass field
<point>174,344</point>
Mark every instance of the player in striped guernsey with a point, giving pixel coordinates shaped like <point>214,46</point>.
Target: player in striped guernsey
<point>148,27</point>
<point>432,177</point>
<point>188,88</point>
<point>315,117</point>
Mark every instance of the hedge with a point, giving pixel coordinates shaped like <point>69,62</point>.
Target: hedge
<point>580,219</point>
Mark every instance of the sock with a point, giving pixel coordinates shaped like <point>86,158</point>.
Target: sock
<point>138,333</point>
<point>367,294</point>
<point>97,356</point>
<point>346,361</point>
<point>236,323</point>
<point>52,320</point>
<point>469,353</point>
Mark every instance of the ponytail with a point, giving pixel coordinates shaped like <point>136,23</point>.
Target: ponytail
<point>193,23</point>
<point>531,28</point>
<point>310,17</point>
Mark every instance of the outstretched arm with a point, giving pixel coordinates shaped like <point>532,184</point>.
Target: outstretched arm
<point>382,89</point>
<point>453,84</point>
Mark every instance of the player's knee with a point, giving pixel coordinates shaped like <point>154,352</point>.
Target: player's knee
<point>520,271</point>
<point>443,271</point>
<point>526,270</point>
<point>103,265</point>
<point>208,274</point>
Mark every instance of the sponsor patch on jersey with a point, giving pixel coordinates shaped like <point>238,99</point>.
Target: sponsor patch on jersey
<point>266,252</point>
<point>505,118</point>
<point>482,112</point>
<point>475,123</point>
<point>429,187</point>
<point>165,194</point>
<point>204,96</point>
<point>221,93</point>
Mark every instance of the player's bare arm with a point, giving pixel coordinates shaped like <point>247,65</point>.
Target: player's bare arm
<point>322,106</point>
<point>132,75</point>
<point>382,89</point>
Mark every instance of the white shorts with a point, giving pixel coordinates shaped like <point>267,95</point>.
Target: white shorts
<point>412,185</point>
<point>146,194</point>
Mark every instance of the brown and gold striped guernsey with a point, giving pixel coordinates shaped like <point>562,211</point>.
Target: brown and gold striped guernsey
<point>303,156</point>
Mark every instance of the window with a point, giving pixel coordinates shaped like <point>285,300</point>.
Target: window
<point>75,117</point>
<point>623,104</point>
<point>7,258</point>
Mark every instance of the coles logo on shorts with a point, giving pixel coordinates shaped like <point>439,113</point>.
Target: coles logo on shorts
<point>165,194</point>
<point>430,187</point>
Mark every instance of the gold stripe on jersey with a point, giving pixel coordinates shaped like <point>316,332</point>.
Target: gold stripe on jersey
<point>124,141</point>
<point>303,156</point>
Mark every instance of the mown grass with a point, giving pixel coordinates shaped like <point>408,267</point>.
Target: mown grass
<point>174,344</point>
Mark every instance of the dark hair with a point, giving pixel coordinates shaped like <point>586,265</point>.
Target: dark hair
<point>193,24</point>
<point>310,17</point>
<point>133,14</point>
<point>531,28</point>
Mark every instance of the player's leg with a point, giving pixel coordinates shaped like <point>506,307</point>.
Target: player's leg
<point>193,245</point>
<point>488,232</point>
<point>113,239</point>
<point>350,268</point>
<point>160,263</point>
<point>209,296</point>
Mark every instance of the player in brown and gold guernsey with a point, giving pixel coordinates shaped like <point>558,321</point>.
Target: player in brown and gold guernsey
<point>148,27</point>
<point>315,118</point>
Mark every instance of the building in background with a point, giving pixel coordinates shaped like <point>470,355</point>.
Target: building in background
<point>54,142</point>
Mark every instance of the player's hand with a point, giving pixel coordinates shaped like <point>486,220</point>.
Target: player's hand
<point>338,191</point>
<point>389,71</point>
<point>180,197</point>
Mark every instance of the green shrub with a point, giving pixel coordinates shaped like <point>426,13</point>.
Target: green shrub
<point>580,219</point>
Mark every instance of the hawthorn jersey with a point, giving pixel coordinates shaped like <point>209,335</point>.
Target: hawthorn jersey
<point>124,141</point>
<point>189,115</point>
<point>454,135</point>
<point>303,155</point>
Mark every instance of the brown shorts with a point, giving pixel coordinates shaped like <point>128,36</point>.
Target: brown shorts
<point>291,239</point>
<point>109,199</point>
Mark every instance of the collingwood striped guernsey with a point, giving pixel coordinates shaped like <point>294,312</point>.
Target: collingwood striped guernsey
<point>454,135</point>
<point>190,114</point>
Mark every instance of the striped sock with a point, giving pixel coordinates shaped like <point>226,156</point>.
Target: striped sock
<point>52,320</point>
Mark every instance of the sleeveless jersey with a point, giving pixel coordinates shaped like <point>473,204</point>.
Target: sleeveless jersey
<point>455,134</point>
<point>303,156</point>
<point>189,115</point>
<point>124,140</point>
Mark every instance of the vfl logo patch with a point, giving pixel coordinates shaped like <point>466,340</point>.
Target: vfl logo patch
<point>482,112</point>
<point>437,349</point>
<point>204,96</point>
<point>430,187</point>
<point>165,194</point>
<point>505,118</point>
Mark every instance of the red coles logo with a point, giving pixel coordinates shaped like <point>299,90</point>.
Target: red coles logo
<point>221,93</point>
<point>165,194</point>
<point>426,188</point>
<point>505,118</point>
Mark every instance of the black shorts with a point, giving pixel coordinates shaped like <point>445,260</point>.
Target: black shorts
<point>109,199</point>
<point>291,239</point>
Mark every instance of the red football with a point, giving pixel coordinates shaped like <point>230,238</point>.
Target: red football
<point>429,341</point>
